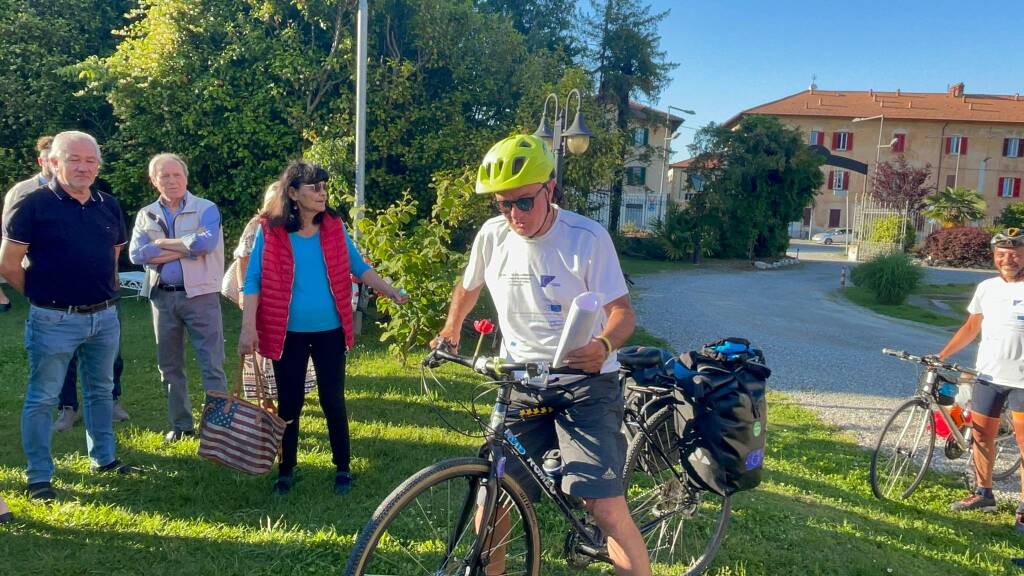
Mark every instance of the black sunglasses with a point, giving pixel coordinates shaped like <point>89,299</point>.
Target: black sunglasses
<point>524,204</point>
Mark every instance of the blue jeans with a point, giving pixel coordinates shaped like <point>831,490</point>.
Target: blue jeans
<point>51,338</point>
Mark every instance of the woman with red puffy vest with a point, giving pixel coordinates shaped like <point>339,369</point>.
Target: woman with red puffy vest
<point>298,303</point>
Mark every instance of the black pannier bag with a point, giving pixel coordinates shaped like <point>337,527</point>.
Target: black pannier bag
<point>722,448</point>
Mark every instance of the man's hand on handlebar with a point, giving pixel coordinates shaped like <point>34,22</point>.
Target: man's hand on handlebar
<point>451,337</point>
<point>588,358</point>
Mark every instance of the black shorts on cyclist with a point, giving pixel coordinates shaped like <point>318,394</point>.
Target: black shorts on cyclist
<point>586,426</point>
<point>989,399</point>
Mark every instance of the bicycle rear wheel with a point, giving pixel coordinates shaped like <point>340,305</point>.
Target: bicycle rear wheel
<point>903,451</point>
<point>1007,459</point>
<point>427,526</point>
<point>682,526</point>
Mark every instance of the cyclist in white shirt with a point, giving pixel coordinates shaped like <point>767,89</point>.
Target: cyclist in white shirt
<point>997,313</point>
<point>535,258</point>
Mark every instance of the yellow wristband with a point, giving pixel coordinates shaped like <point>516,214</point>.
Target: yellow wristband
<point>607,343</point>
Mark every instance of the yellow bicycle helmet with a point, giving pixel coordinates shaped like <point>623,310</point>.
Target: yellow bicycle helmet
<point>513,162</point>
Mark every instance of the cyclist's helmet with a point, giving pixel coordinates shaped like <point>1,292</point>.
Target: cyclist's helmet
<point>513,162</point>
<point>1009,238</point>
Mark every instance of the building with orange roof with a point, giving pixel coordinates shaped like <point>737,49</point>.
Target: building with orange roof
<point>972,140</point>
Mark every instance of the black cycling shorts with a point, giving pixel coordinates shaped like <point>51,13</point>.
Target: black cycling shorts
<point>988,398</point>
<point>585,425</point>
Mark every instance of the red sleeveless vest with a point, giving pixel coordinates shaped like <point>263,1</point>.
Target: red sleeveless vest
<point>279,276</point>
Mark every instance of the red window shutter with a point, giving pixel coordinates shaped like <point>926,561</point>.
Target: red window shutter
<point>1006,147</point>
<point>849,140</point>
<point>835,140</point>
<point>963,145</point>
<point>846,180</point>
<point>831,179</point>
<point>901,141</point>
<point>949,144</point>
<point>1016,187</point>
<point>999,190</point>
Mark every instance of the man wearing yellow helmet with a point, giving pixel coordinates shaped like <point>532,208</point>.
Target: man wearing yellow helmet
<point>997,314</point>
<point>535,258</point>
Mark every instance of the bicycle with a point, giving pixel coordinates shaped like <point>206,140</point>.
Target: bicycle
<point>906,443</point>
<point>691,522</point>
<point>442,520</point>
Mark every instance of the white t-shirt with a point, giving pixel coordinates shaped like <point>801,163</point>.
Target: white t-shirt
<point>1001,352</point>
<point>533,280</point>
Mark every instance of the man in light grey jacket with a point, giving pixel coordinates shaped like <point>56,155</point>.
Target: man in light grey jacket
<point>180,241</point>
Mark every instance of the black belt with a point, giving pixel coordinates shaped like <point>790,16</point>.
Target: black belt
<point>170,288</point>
<point>81,309</point>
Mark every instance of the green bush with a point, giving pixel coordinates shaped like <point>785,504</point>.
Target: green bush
<point>887,229</point>
<point>1012,216</point>
<point>890,277</point>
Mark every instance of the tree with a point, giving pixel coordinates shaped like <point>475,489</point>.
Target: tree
<point>239,87</point>
<point>627,63</point>
<point>38,92</point>
<point>1012,216</point>
<point>955,206</point>
<point>545,24</point>
<point>901,184</point>
<point>758,178</point>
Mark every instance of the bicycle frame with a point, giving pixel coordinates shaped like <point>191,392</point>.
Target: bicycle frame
<point>502,442</point>
<point>927,382</point>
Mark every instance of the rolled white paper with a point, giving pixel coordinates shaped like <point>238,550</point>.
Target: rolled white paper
<point>579,325</point>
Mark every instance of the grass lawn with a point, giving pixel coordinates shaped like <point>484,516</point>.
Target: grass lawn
<point>863,297</point>
<point>634,266</point>
<point>814,513</point>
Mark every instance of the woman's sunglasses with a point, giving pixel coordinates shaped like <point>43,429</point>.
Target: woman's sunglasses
<point>524,204</point>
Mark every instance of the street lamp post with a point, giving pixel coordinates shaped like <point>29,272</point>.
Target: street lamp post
<point>669,137</point>
<point>878,151</point>
<point>575,138</point>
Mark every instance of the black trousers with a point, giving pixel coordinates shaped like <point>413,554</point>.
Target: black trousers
<point>69,393</point>
<point>328,352</point>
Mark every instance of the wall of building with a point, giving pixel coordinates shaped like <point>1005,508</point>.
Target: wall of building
<point>980,168</point>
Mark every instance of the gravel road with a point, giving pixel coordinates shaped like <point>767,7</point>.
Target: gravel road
<point>823,351</point>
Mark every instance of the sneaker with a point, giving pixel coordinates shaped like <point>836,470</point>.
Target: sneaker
<point>342,483</point>
<point>120,415</point>
<point>283,485</point>
<point>66,418</point>
<point>116,467</point>
<point>178,435</point>
<point>42,491</point>
<point>976,501</point>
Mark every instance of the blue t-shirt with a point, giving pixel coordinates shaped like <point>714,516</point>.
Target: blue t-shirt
<point>312,307</point>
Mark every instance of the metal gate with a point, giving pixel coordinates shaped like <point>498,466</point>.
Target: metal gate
<point>882,227</point>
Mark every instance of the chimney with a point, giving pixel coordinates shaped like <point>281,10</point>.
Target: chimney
<point>957,90</point>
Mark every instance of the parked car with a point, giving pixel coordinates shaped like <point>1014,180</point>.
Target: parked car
<point>832,236</point>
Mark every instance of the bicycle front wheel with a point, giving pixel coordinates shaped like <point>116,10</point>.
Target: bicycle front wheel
<point>1007,459</point>
<point>428,526</point>
<point>903,451</point>
<point>682,526</point>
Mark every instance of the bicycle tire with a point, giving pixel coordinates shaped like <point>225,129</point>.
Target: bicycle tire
<point>368,554</point>
<point>697,521</point>
<point>1008,459</point>
<point>918,421</point>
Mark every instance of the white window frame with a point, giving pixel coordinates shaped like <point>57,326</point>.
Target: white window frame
<point>810,137</point>
<point>1013,148</point>
<point>954,145</point>
<point>1008,184</point>
<point>838,176</point>
<point>843,140</point>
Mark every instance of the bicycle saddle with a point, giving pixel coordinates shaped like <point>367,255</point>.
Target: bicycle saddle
<point>640,357</point>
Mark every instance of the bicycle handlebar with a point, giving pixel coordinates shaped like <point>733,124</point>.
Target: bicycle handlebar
<point>494,366</point>
<point>930,361</point>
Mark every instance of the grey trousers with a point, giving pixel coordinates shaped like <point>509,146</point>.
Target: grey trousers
<point>173,315</point>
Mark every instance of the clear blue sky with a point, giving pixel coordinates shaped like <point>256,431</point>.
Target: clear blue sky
<point>735,54</point>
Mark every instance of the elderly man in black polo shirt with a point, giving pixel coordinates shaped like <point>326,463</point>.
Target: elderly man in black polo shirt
<point>72,236</point>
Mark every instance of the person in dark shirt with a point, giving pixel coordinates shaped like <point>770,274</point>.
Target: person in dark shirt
<point>72,236</point>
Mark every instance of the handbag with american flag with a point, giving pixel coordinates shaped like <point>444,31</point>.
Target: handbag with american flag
<point>240,434</point>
